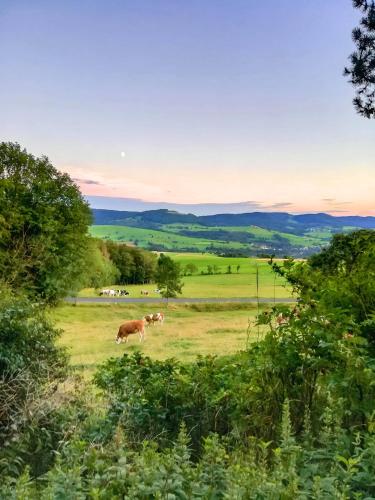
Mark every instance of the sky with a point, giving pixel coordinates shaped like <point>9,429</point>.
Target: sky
<point>232,103</point>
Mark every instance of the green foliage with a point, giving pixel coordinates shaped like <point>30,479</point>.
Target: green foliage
<point>168,277</point>
<point>85,469</point>
<point>29,357</point>
<point>153,398</point>
<point>361,72</point>
<point>340,281</point>
<point>43,240</point>
<point>27,341</point>
<point>134,265</point>
<point>99,270</point>
<point>190,269</point>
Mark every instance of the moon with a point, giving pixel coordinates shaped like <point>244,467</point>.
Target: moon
<point>122,154</point>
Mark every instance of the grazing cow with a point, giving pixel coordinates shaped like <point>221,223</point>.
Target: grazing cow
<point>130,327</point>
<point>123,292</point>
<point>158,317</point>
<point>144,292</point>
<point>108,292</point>
<point>151,319</point>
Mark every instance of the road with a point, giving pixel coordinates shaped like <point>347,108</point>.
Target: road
<point>150,300</point>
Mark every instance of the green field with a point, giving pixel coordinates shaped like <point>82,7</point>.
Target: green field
<point>169,240</point>
<point>260,234</point>
<point>249,240</point>
<point>89,330</point>
<point>237,284</point>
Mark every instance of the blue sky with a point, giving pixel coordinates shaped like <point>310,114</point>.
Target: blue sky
<point>209,101</point>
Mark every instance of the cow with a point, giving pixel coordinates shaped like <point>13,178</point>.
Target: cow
<point>108,292</point>
<point>123,292</point>
<point>158,317</point>
<point>130,327</point>
<point>144,292</point>
<point>281,320</point>
<point>151,319</point>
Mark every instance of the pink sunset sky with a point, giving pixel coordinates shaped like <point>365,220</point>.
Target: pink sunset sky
<point>340,193</point>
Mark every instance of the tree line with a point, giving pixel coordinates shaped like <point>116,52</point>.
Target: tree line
<point>119,264</point>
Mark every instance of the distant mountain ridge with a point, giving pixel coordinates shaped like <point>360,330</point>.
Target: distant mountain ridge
<point>277,221</point>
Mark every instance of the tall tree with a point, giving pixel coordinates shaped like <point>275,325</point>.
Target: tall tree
<point>168,277</point>
<point>361,71</point>
<point>44,222</point>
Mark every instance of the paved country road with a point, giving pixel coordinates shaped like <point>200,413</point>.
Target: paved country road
<point>124,300</point>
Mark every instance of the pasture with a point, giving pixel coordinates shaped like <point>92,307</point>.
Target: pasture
<point>168,240</point>
<point>89,331</point>
<point>223,285</point>
<point>189,237</point>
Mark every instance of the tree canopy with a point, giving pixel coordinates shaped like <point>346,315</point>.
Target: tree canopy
<point>361,71</point>
<point>341,279</point>
<point>168,277</point>
<point>44,222</point>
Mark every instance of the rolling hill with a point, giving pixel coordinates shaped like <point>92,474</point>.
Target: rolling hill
<point>252,233</point>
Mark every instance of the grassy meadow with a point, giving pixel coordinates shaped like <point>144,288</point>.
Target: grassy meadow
<point>89,330</point>
<point>168,239</point>
<point>185,237</point>
<point>239,284</point>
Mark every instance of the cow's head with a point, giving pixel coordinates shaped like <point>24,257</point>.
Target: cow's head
<point>118,340</point>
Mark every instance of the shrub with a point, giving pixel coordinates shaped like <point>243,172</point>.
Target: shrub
<point>30,360</point>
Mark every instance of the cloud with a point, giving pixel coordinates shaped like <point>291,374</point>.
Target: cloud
<point>282,204</point>
<point>334,203</point>
<point>87,181</point>
<point>137,204</point>
<point>336,210</point>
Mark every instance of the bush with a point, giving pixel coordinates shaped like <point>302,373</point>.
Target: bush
<point>29,357</point>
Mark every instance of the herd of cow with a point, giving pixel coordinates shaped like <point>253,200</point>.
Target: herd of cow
<point>110,292</point>
<point>138,326</point>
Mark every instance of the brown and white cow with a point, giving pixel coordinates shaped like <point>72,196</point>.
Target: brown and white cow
<point>151,319</point>
<point>281,319</point>
<point>130,327</point>
<point>154,318</point>
<point>158,317</point>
